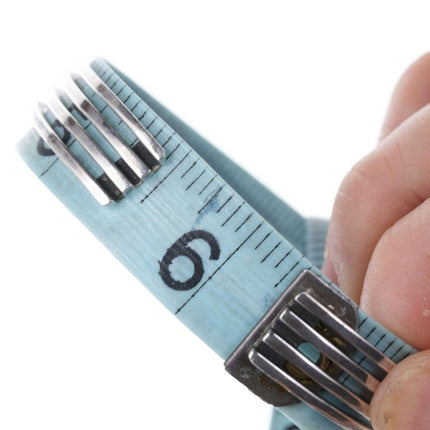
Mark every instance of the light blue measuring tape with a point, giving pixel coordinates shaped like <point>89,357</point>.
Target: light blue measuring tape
<point>233,262</point>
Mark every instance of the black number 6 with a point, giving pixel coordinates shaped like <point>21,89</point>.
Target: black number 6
<point>180,248</point>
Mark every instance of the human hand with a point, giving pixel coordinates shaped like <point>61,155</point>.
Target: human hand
<point>378,246</point>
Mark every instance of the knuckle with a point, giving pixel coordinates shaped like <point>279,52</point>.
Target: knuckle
<point>398,278</point>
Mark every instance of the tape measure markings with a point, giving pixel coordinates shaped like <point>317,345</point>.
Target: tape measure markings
<point>188,170</point>
<point>283,258</point>
<point>226,220</point>
<point>195,179</point>
<point>165,177</point>
<point>210,181</point>
<point>344,378</point>
<point>262,240</point>
<point>242,234</point>
<point>244,222</point>
<point>214,196</point>
<point>136,107</point>
<point>176,147</point>
<point>224,204</point>
<point>218,269</point>
<point>270,252</point>
<point>239,207</point>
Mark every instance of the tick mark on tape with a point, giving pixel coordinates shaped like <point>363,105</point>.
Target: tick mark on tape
<point>135,106</point>
<point>283,258</point>
<point>195,179</point>
<point>208,203</point>
<point>243,222</point>
<point>204,188</point>
<point>262,240</point>
<point>143,116</point>
<point>189,168</point>
<point>270,252</point>
<point>232,215</point>
<point>171,171</point>
<point>224,204</point>
<point>400,348</point>
<point>292,268</point>
<point>168,139</point>
<point>150,124</point>
<point>127,99</point>
<point>388,346</point>
<point>173,151</point>
<point>219,268</point>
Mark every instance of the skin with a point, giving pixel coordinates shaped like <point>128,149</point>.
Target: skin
<point>384,205</point>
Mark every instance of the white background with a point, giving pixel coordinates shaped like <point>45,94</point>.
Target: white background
<point>303,87</point>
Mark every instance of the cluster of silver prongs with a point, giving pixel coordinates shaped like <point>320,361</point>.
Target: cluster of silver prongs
<point>132,164</point>
<point>312,314</point>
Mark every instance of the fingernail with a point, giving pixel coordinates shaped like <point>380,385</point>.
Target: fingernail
<point>404,402</point>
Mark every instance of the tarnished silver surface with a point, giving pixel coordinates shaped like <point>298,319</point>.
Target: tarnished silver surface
<point>119,173</point>
<point>48,134</point>
<point>302,345</point>
<point>80,100</point>
<point>153,151</point>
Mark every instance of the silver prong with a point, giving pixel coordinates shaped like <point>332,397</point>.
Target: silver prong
<point>312,317</point>
<point>67,157</point>
<point>314,372</point>
<point>303,393</point>
<point>106,152</point>
<point>350,335</point>
<point>153,150</point>
<point>310,335</point>
<point>70,123</point>
<point>82,103</point>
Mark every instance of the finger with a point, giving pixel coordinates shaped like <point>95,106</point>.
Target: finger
<point>379,190</point>
<point>396,290</point>
<point>402,401</point>
<point>412,92</point>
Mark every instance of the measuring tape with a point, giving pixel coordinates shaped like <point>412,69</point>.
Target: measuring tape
<point>208,240</point>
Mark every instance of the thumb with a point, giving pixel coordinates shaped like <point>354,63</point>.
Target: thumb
<point>403,399</point>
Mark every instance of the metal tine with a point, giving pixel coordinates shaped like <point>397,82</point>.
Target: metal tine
<point>314,372</point>
<point>304,394</point>
<point>69,122</point>
<point>154,152</point>
<point>345,331</point>
<point>82,103</point>
<point>309,334</point>
<point>66,156</point>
